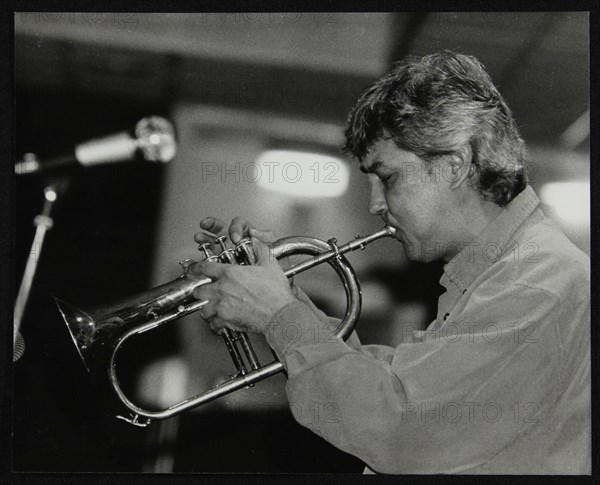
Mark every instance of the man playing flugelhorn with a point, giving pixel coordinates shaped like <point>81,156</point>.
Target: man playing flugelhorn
<point>500,380</point>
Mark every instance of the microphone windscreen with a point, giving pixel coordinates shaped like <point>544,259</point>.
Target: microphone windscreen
<point>156,139</point>
<point>19,347</point>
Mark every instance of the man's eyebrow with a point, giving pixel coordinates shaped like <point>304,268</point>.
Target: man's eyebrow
<point>372,168</point>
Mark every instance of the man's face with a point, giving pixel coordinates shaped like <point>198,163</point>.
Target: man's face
<point>411,197</point>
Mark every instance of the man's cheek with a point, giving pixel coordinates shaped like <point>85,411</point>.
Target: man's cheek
<point>411,173</point>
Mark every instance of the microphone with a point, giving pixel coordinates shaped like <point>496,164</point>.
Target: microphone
<point>154,140</point>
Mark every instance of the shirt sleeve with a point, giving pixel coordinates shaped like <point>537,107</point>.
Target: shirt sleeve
<point>323,326</point>
<point>444,404</point>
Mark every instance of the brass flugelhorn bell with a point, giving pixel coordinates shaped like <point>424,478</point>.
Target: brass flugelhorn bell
<point>100,332</point>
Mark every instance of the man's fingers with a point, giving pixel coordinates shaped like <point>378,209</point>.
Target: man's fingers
<point>205,293</point>
<point>208,313</point>
<point>263,235</point>
<point>264,257</point>
<point>211,224</point>
<point>239,229</point>
<point>217,325</point>
<point>186,263</point>
<point>211,269</point>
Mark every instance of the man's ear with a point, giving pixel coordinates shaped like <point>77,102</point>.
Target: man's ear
<point>459,164</point>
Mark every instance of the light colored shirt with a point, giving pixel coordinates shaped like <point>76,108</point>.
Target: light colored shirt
<point>499,382</point>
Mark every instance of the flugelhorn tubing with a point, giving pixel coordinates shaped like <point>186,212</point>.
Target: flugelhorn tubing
<point>99,334</point>
<point>357,243</point>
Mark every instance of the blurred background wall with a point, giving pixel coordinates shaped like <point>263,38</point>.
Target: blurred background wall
<point>237,85</point>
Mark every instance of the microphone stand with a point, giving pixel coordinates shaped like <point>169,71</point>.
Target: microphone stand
<point>43,222</point>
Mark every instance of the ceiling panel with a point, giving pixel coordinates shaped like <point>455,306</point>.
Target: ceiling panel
<point>570,34</point>
<point>550,95</point>
<point>313,65</point>
<point>539,61</point>
<point>341,42</point>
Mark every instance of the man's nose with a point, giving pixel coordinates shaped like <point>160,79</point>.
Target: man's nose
<point>377,205</point>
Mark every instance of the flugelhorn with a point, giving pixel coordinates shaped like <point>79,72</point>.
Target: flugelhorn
<point>99,333</point>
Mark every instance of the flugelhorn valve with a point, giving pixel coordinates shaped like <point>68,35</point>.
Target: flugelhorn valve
<point>207,252</point>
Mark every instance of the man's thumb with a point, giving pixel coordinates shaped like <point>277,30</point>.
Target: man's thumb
<point>263,254</point>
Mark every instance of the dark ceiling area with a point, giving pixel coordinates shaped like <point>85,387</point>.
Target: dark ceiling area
<point>311,66</point>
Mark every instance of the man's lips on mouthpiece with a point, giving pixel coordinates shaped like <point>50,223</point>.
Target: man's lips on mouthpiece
<point>397,232</point>
<point>388,223</point>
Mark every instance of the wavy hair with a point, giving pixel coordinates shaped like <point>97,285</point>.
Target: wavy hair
<point>434,105</point>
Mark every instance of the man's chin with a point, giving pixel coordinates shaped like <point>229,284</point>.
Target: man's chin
<point>415,252</point>
<point>410,253</point>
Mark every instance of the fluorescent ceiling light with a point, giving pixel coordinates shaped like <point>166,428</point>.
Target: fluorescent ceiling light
<point>570,200</point>
<point>301,174</point>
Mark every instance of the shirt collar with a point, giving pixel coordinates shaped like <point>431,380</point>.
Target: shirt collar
<point>491,243</point>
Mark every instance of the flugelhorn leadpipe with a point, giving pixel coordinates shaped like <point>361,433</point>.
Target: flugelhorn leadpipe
<point>357,243</point>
